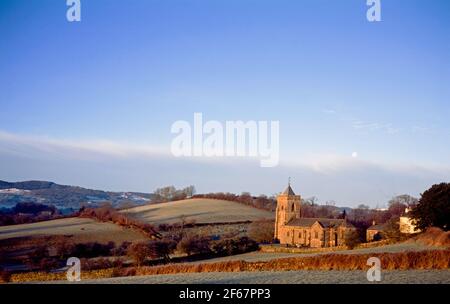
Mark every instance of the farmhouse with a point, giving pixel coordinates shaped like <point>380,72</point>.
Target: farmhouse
<point>375,232</point>
<point>293,229</point>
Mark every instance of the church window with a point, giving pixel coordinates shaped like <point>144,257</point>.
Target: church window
<point>287,234</point>
<point>316,235</point>
<point>292,207</point>
<point>300,234</point>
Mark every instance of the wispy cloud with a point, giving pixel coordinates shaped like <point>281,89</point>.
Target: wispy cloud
<point>419,129</point>
<point>334,164</point>
<point>27,145</point>
<point>107,164</point>
<point>359,124</point>
<point>38,146</point>
<point>374,126</point>
<point>329,111</point>
<point>43,146</point>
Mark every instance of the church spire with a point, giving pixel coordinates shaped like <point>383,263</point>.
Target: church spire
<point>288,190</point>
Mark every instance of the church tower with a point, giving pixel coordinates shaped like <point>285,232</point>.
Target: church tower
<point>288,208</point>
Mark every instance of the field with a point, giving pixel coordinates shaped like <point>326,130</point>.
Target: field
<point>198,210</point>
<point>230,219</point>
<point>267,268</point>
<point>284,277</point>
<point>80,229</point>
<point>266,256</point>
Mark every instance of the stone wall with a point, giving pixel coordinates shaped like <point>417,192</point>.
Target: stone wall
<point>284,249</point>
<point>316,236</point>
<point>370,235</point>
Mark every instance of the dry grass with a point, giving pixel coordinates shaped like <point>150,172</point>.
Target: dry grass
<point>198,210</point>
<point>429,259</point>
<point>434,236</point>
<point>59,276</point>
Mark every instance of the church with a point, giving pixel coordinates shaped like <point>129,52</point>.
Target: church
<point>293,229</point>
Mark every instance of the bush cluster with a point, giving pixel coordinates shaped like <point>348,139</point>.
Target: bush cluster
<point>25,213</point>
<point>155,249</point>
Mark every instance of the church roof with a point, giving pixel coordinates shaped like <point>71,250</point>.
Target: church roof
<point>288,191</point>
<point>326,223</point>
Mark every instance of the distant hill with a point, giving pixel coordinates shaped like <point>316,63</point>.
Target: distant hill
<point>63,196</point>
<point>29,185</point>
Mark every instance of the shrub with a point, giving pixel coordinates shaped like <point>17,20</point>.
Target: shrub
<point>92,249</point>
<point>120,250</point>
<point>64,248</point>
<point>3,256</point>
<point>434,236</point>
<point>48,264</point>
<point>109,214</point>
<point>164,227</point>
<point>245,244</point>
<point>101,263</point>
<point>138,252</point>
<point>161,249</point>
<point>35,258</point>
<point>392,230</point>
<point>262,231</point>
<point>234,246</point>
<point>193,244</point>
<point>352,239</point>
<point>5,276</point>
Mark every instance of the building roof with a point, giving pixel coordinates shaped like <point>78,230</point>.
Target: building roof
<point>308,222</point>
<point>288,191</point>
<point>377,227</point>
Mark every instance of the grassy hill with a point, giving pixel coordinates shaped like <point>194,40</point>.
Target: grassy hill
<point>80,229</point>
<point>199,210</point>
<point>88,230</point>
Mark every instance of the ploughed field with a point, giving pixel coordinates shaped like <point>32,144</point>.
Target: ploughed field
<point>198,210</point>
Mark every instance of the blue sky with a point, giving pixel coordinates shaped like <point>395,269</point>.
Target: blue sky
<point>80,102</point>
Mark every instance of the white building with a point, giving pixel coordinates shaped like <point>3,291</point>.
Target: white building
<point>408,224</point>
